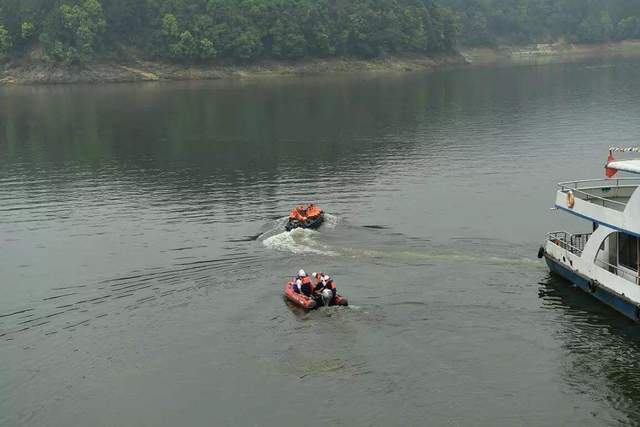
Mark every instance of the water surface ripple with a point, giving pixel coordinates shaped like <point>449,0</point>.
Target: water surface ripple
<point>144,252</point>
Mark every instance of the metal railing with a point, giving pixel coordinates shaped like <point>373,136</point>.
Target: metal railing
<point>574,243</point>
<point>578,187</point>
<point>605,182</point>
<point>619,271</point>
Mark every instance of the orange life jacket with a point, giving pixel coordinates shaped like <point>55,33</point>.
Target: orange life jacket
<point>330,285</point>
<point>313,210</point>
<point>299,213</point>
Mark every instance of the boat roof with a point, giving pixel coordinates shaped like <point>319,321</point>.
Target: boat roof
<point>632,166</point>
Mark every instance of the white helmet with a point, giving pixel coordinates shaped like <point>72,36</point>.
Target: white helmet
<point>302,273</point>
<point>314,274</point>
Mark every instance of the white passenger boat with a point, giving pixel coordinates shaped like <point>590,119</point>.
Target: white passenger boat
<point>604,263</point>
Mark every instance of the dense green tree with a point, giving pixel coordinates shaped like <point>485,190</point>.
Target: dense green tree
<point>26,30</point>
<point>242,30</point>
<point>190,31</point>
<point>5,41</point>
<point>127,20</point>
<point>628,28</point>
<point>72,32</point>
<point>485,22</point>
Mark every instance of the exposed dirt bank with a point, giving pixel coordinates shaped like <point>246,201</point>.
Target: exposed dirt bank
<point>555,52</point>
<point>37,72</point>
<point>44,73</point>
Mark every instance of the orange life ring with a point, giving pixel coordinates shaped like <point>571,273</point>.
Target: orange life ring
<point>570,200</point>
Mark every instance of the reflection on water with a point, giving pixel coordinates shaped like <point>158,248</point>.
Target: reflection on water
<point>145,253</point>
<point>600,347</point>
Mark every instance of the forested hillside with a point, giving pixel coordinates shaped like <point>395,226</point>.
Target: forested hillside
<point>487,22</point>
<point>202,31</point>
<point>192,31</point>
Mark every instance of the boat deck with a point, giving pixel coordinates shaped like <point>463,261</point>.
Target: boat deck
<point>574,243</point>
<point>609,193</point>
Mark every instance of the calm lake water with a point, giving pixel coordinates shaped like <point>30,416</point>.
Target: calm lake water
<point>143,253</point>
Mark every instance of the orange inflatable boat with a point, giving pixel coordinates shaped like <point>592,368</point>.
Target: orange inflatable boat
<point>310,216</point>
<point>306,302</point>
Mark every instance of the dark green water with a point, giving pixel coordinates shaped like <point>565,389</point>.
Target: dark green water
<point>142,258</point>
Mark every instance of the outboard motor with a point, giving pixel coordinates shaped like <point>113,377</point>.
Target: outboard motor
<point>327,296</point>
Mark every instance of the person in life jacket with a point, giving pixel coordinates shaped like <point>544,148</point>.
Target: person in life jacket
<point>312,211</point>
<point>295,214</point>
<point>298,214</point>
<point>325,283</point>
<point>301,214</point>
<point>303,284</point>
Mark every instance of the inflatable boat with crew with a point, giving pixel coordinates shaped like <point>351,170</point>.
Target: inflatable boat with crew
<point>310,302</point>
<point>310,216</point>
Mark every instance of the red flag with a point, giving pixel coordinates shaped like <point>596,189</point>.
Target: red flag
<point>610,172</point>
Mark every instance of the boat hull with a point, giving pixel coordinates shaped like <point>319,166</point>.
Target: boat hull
<point>601,293</point>
<point>312,223</point>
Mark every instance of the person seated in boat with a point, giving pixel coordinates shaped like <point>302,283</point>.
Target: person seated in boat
<point>302,213</point>
<point>302,284</point>
<point>301,274</point>
<point>313,210</point>
<point>325,287</point>
<point>298,214</point>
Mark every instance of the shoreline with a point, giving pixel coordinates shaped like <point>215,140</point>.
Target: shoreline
<point>548,52</point>
<point>41,73</point>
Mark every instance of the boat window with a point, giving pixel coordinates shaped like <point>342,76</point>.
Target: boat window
<point>607,256</point>
<point>628,251</point>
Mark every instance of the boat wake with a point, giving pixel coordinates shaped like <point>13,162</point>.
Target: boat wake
<point>330,221</point>
<point>298,241</point>
<point>307,241</point>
